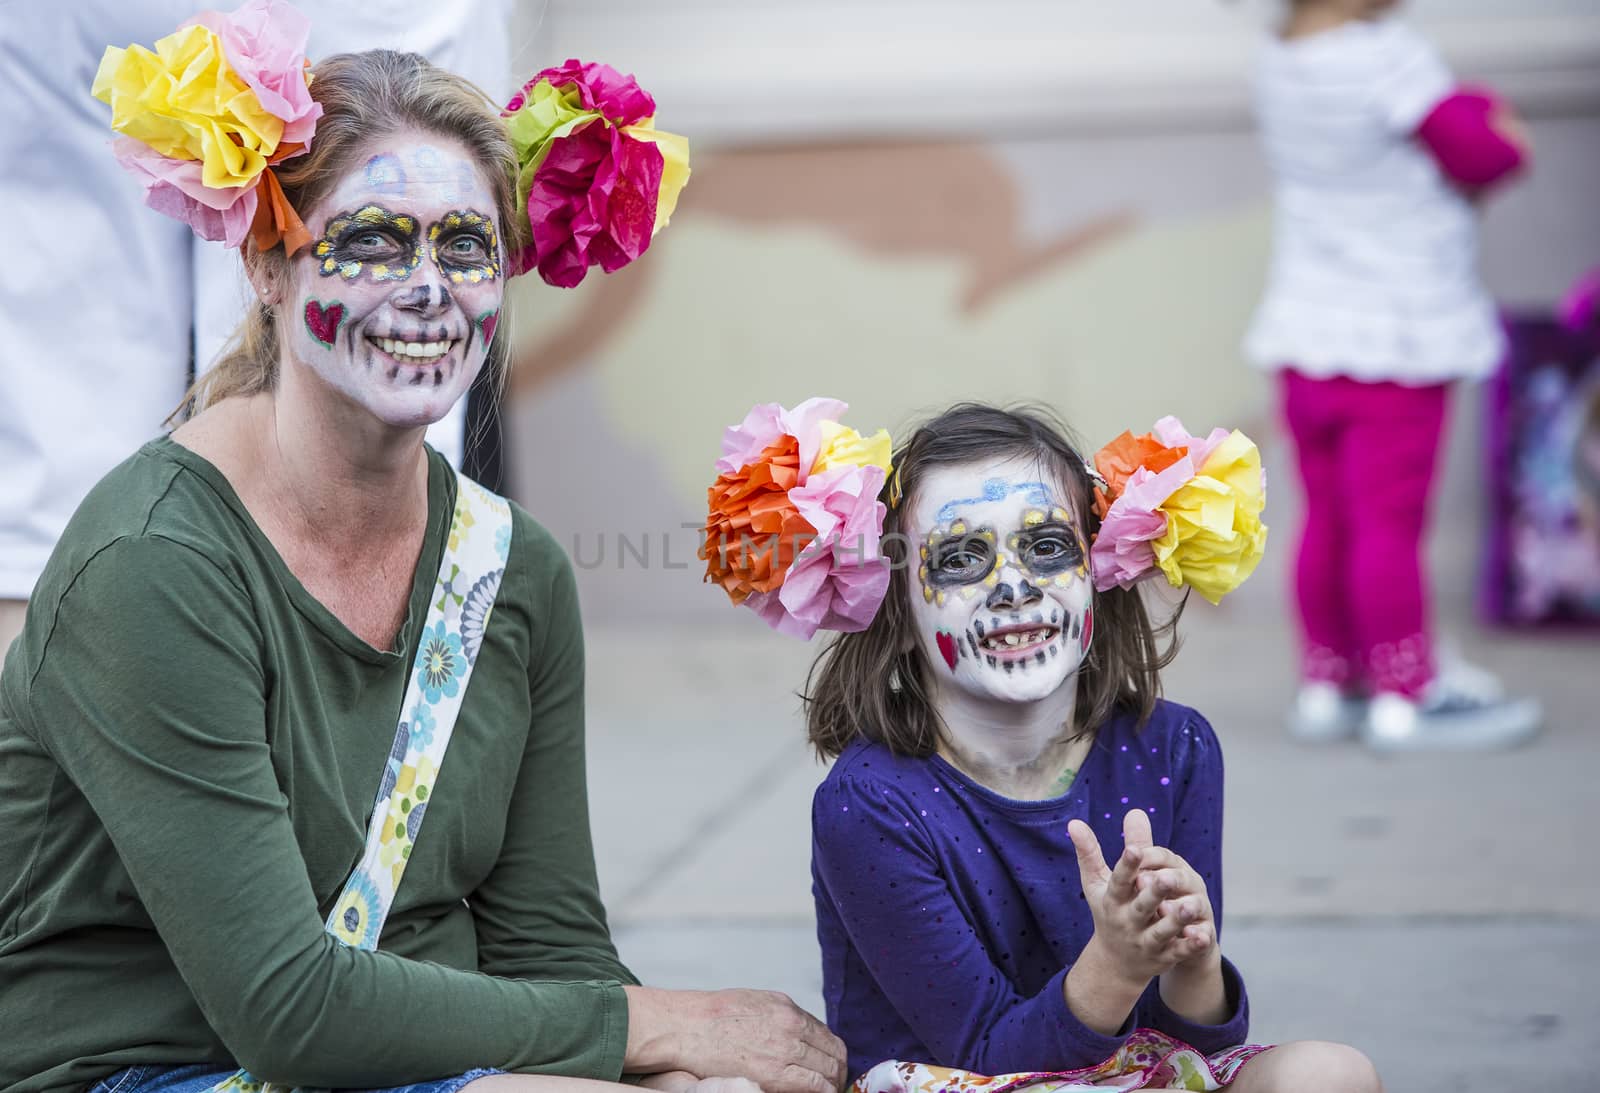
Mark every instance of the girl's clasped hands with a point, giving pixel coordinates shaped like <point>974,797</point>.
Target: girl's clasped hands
<point>1152,917</point>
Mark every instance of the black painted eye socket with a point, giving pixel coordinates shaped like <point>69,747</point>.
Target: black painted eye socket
<point>370,243</point>
<point>962,561</point>
<point>1051,550</point>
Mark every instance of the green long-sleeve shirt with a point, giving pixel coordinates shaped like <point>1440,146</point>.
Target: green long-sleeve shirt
<point>190,746</point>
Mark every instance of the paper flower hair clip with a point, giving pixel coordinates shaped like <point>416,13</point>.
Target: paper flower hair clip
<point>205,116</point>
<point>595,179</point>
<point>1181,505</point>
<point>794,525</point>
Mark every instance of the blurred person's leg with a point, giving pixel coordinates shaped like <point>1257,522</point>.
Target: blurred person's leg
<point>1391,455</point>
<point>1418,702</point>
<point>1314,413</point>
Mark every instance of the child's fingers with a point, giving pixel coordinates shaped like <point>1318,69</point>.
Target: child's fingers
<point>1197,937</point>
<point>1092,869</point>
<point>1136,830</point>
<point>1165,930</point>
<point>1120,886</point>
<point>1160,857</point>
<point>1157,886</point>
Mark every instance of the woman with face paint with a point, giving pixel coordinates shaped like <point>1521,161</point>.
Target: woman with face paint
<point>995,727</point>
<point>214,866</point>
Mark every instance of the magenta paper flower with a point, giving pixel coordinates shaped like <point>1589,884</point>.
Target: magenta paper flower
<point>1122,553</point>
<point>265,44</point>
<point>173,187</point>
<point>600,88</point>
<point>766,422</point>
<point>592,202</point>
<point>596,178</point>
<point>838,581</point>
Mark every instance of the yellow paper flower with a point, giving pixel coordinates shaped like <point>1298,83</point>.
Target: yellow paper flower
<point>842,446</point>
<point>1215,537</point>
<point>185,102</point>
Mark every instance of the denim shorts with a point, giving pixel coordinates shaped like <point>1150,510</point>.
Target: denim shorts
<point>198,1079</point>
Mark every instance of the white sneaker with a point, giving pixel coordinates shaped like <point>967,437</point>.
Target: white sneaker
<point>1322,714</point>
<point>1463,709</point>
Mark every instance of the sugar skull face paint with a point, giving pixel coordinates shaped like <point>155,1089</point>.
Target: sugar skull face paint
<point>464,246</point>
<point>1002,595</point>
<point>323,322</point>
<point>372,240</point>
<point>409,246</point>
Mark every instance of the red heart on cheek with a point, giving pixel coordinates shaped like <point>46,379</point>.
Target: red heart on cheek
<point>323,322</point>
<point>947,647</point>
<point>1088,628</point>
<point>487,324</point>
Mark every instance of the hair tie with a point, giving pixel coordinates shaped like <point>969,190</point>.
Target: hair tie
<point>595,179</point>
<point>206,115</point>
<point>1187,507</point>
<point>794,525</point>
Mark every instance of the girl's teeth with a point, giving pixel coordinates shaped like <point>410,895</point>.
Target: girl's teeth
<point>1016,638</point>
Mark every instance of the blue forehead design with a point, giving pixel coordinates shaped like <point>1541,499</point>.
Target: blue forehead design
<point>995,489</point>
<point>385,175</point>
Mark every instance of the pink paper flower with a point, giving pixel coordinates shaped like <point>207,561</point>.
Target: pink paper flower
<point>593,201</point>
<point>1170,431</point>
<point>173,187</point>
<point>766,422</point>
<point>838,581</point>
<point>265,43</point>
<point>599,86</point>
<point>1122,553</point>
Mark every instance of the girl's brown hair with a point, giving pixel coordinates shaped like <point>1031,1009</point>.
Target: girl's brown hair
<point>874,684</point>
<point>364,97</point>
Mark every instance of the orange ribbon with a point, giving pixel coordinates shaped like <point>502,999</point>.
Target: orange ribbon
<point>275,220</point>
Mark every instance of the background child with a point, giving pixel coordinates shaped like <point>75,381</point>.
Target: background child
<point>996,724</point>
<point>1372,309</point>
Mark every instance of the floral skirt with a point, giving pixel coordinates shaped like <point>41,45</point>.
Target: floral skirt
<point>1147,1060</point>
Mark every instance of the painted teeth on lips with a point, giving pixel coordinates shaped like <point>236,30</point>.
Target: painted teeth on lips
<point>417,351</point>
<point>1018,639</point>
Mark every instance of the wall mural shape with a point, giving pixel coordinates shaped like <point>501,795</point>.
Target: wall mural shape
<point>909,201</point>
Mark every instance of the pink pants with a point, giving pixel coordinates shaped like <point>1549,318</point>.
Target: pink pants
<point>1367,455</point>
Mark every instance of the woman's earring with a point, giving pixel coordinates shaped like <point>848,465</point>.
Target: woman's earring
<point>894,680</point>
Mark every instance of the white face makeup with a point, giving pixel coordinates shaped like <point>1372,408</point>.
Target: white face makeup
<point>1002,596</point>
<point>395,302</point>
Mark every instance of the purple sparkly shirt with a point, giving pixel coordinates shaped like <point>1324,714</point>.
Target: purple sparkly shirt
<point>948,914</point>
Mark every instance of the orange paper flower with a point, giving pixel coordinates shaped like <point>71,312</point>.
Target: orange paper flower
<point>1117,461</point>
<point>753,531</point>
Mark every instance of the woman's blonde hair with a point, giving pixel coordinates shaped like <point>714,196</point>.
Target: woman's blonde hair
<point>365,96</point>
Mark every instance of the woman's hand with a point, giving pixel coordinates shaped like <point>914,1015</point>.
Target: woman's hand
<point>759,1035</point>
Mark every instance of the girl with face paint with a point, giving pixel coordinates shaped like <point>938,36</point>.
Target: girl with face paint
<point>995,727</point>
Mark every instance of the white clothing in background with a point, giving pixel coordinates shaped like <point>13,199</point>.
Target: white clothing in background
<point>104,300</point>
<point>96,297</point>
<point>1374,264</point>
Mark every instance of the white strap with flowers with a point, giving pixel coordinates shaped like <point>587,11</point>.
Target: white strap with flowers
<point>458,613</point>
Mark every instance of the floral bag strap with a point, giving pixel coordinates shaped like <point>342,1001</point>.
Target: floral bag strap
<point>474,561</point>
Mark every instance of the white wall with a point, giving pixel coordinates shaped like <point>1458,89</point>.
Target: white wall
<point>761,70</point>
